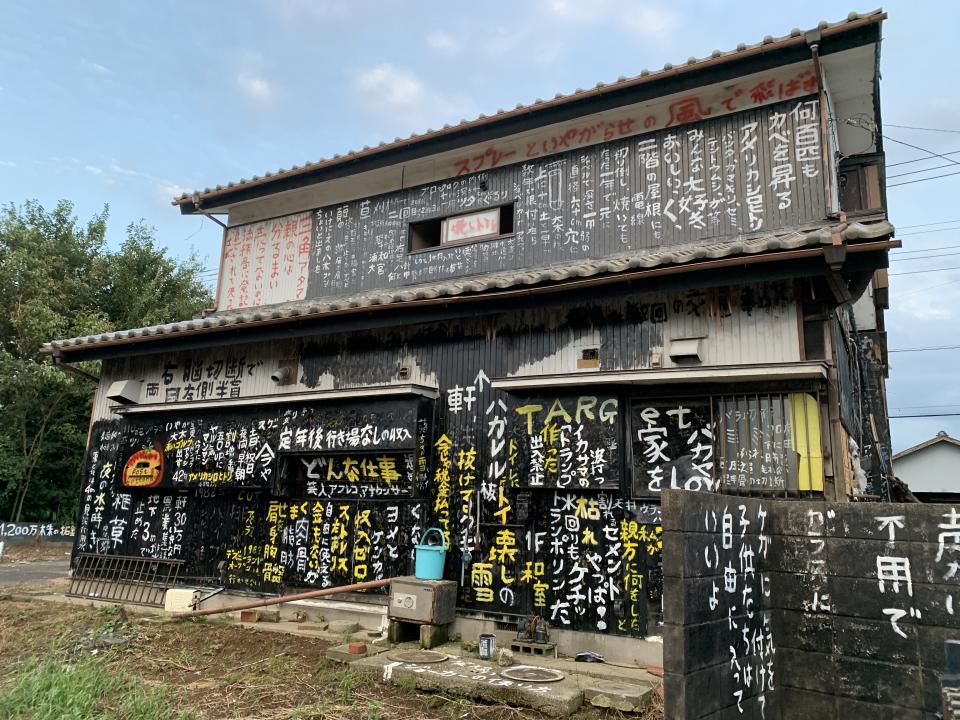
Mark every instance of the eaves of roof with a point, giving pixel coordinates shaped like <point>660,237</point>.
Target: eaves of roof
<point>925,444</point>
<point>190,202</point>
<point>559,276</point>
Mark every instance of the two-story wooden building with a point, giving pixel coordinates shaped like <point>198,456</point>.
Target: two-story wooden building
<point>519,329</point>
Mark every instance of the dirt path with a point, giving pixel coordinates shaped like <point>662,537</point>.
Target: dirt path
<point>33,573</point>
<point>212,670</point>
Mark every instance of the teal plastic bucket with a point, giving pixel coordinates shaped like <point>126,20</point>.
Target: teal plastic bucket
<point>429,559</point>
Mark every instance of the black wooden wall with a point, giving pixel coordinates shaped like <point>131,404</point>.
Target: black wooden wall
<point>535,489</point>
<point>751,172</point>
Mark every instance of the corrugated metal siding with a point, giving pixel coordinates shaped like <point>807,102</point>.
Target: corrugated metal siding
<point>740,325</point>
<point>670,187</point>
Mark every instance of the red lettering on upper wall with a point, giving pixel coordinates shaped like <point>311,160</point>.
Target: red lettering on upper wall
<point>265,262</point>
<point>753,91</point>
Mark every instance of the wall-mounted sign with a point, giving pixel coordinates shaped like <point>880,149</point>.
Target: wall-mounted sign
<point>474,226</point>
<point>265,262</point>
<point>144,469</point>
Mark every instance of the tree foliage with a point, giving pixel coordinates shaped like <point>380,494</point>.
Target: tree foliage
<point>58,279</point>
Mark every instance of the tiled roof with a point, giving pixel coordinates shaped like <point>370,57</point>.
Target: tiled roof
<point>940,437</point>
<point>678,255</point>
<point>717,57</point>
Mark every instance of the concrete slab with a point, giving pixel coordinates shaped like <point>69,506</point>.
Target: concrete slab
<point>342,654</point>
<point>480,680</point>
<point>599,671</point>
<point>626,697</point>
<point>618,649</point>
<point>343,627</point>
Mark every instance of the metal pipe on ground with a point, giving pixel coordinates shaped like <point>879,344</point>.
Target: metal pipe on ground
<point>372,585</point>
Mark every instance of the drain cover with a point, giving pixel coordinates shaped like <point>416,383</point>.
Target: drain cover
<point>418,657</point>
<point>528,673</point>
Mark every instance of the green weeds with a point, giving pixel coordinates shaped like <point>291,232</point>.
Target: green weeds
<point>86,690</point>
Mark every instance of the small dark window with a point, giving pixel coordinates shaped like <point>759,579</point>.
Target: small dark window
<point>425,234</point>
<point>814,328</point>
<point>860,184</point>
<point>463,228</point>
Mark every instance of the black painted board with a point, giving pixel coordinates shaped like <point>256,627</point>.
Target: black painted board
<point>568,442</point>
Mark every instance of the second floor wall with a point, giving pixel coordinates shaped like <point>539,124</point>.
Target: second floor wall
<point>751,172</point>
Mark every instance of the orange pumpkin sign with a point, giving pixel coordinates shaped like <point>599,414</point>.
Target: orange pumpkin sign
<point>144,469</point>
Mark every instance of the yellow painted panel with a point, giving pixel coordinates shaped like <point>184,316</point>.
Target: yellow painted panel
<point>805,432</point>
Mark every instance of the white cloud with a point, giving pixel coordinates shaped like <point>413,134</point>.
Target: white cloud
<point>120,170</point>
<point>167,191</point>
<point>570,9</point>
<point>255,87</point>
<point>96,67</point>
<point>443,43</point>
<point>312,10</point>
<point>397,89</point>
<point>93,169</point>
<point>650,22</point>
<point>646,20</point>
<point>7,163</point>
<point>398,94</point>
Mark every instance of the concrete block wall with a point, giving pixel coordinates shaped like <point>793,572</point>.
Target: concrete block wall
<point>848,604</point>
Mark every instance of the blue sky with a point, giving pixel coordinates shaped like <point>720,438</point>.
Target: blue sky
<point>132,103</point>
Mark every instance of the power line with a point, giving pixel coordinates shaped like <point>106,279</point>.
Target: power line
<point>915,172</point>
<point>923,407</point>
<point>927,232</point>
<point>934,177</point>
<point>926,349</point>
<point>941,222</point>
<point>916,160</point>
<point>914,127</point>
<point>897,253</point>
<point>917,272</point>
<point>917,147</point>
<point>929,287</point>
<point>194,233</point>
<point>928,415</point>
<point>924,257</point>
<point>950,160</point>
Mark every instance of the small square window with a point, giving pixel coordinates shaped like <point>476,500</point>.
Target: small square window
<point>462,229</point>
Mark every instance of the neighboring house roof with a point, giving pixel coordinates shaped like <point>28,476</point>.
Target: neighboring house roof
<point>940,437</point>
<point>192,201</point>
<point>685,257</point>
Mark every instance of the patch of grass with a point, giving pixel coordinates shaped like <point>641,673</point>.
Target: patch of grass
<point>212,649</point>
<point>320,710</point>
<point>111,611</point>
<point>51,690</point>
<point>407,683</point>
<point>345,684</point>
<point>232,678</point>
<point>116,622</point>
<point>373,710</point>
